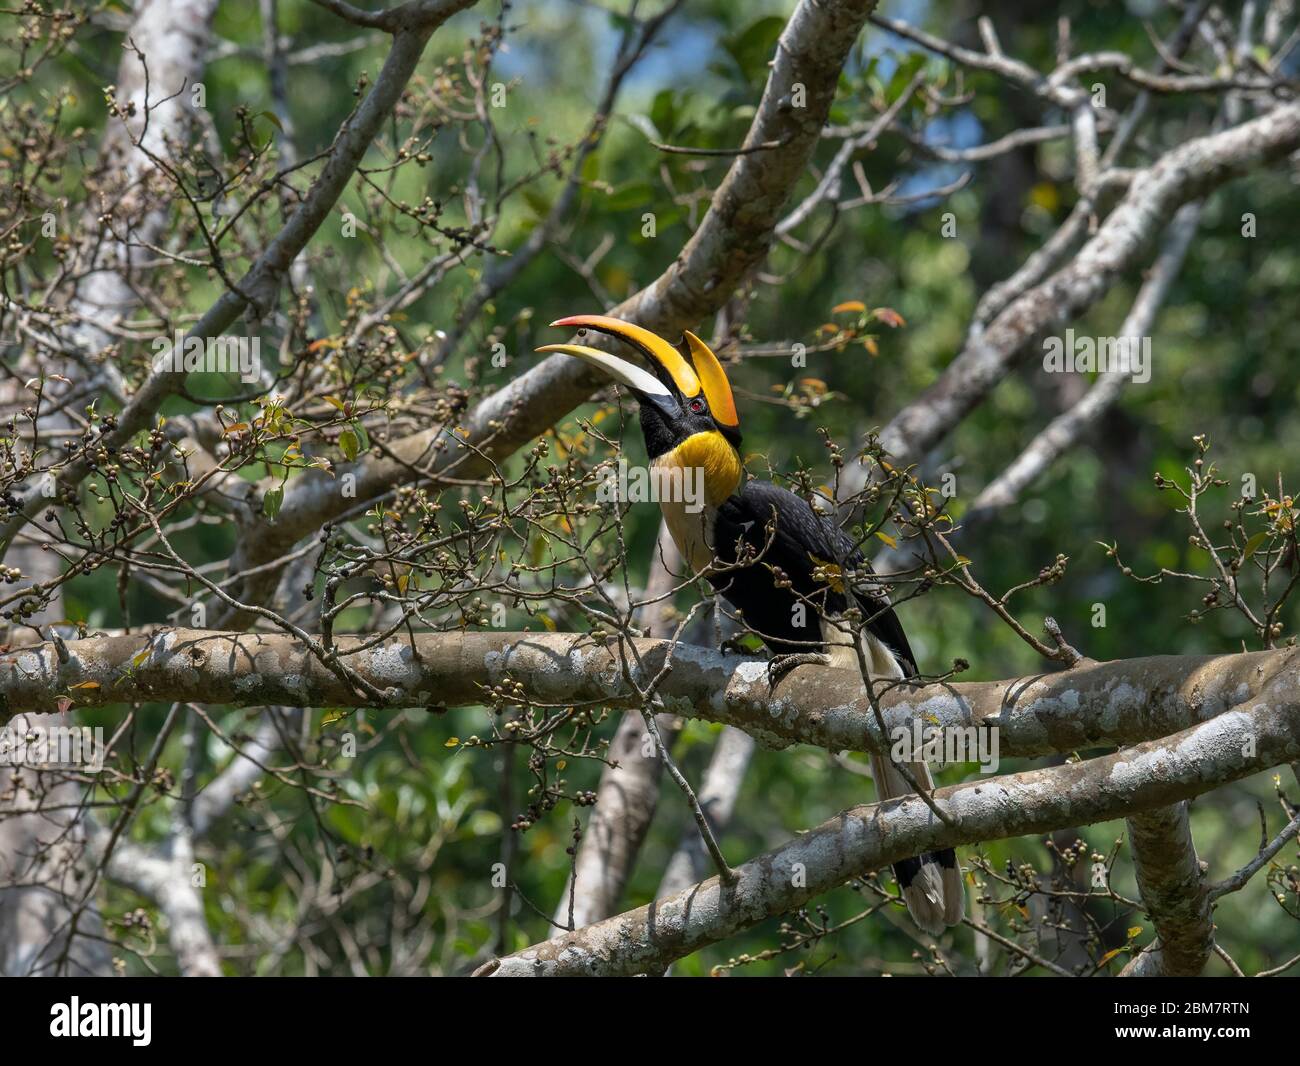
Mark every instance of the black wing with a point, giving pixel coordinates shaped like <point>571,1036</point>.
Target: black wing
<point>801,539</point>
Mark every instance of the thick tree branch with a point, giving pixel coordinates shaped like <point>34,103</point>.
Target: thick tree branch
<point>1091,705</point>
<point>1064,431</point>
<point>1185,173</point>
<point>1153,774</point>
<point>1173,890</point>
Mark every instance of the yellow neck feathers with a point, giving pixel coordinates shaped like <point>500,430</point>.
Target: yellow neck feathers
<point>713,454</point>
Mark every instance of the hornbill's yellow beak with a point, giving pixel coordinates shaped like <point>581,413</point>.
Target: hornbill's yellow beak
<point>675,379</point>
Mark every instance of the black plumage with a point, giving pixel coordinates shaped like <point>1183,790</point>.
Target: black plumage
<point>783,532</point>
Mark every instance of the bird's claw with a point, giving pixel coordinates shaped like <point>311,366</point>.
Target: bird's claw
<point>780,665</point>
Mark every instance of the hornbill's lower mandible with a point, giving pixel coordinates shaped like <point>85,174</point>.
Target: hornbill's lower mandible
<point>784,567</point>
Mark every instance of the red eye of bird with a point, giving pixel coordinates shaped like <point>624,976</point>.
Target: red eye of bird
<point>697,406</point>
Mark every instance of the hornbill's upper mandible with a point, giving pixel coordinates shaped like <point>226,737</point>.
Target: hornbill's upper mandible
<point>783,566</point>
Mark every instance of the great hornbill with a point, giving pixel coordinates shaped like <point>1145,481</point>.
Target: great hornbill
<point>785,568</point>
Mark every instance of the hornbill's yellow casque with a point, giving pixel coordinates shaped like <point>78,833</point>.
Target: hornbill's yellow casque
<point>767,552</point>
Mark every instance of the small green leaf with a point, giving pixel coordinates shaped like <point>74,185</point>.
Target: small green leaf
<point>271,502</point>
<point>1253,544</point>
<point>349,444</point>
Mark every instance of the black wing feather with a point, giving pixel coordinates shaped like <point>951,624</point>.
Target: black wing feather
<point>800,537</point>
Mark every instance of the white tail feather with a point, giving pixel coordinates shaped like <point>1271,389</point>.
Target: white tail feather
<point>925,900</point>
<point>936,898</point>
<point>954,895</point>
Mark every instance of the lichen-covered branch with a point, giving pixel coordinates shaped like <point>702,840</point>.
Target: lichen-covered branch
<point>1157,773</point>
<point>1173,890</point>
<point>1064,431</point>
<point>1094,704</point>
<point>1183,174</point>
